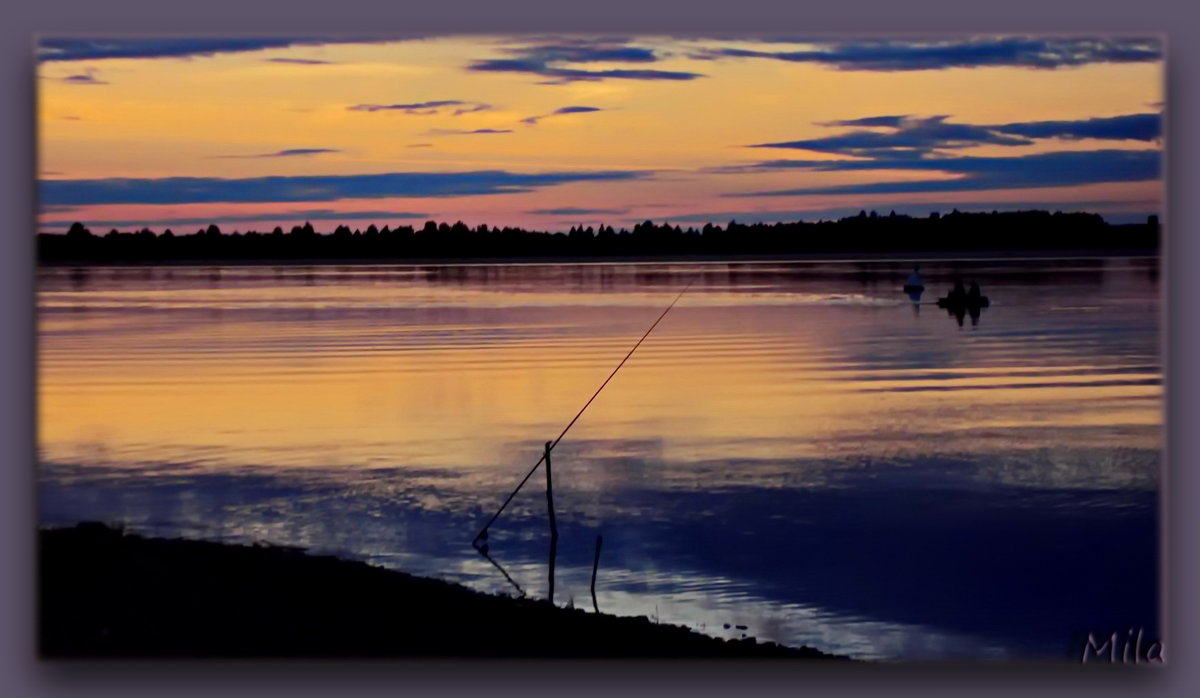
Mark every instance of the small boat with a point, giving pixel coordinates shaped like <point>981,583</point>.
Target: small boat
<point>964,302</point>
<point>962,299</point>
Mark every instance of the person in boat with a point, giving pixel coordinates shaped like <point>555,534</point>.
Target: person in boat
<point>914,282</point>
<point>958,294</point>
<point>973,294</point>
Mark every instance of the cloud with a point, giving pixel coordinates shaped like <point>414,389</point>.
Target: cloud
<point>87,77</point>
<point>1023,52</point>
<point>321,214</point>
<point>76,49</point>
<point>293,152</point>
<point>186,190</point>
<point>1135,127</point>
<point>912,137</point>
<point>419,145</point>
<point>426,108</point>
<point>551,60</point>
<point>571,211</point>
<point>532,120</point>
<point>298,61</point>
<point>892,121</point>
<point>462,132</point>
<point>1056,169</point>
<point>56,209</point>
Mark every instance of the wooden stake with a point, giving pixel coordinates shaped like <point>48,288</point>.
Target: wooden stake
<point>596,564</point>
<point>553,523</point>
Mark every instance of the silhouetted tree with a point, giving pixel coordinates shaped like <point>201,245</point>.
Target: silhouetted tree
<point>955,231</point>
<point>78,231</point>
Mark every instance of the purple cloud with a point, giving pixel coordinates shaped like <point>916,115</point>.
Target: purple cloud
<point>552,60</point>
<point>426,108</point>
<point>298,61</point>
<point>572,211</point>
<point>1054,169</point>
<point>1024,52</point>
<point>904,137</point>
<point>75,49</point>
<point>292,152</point>
<point>532,120</point>
<point>87,77</point>
<point>462,132</point>
<point>181,190</point>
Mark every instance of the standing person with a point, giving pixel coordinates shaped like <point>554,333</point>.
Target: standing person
<point>914,282</point>
<point>958,294</point>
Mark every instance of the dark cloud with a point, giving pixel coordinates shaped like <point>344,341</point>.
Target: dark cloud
<point>908,137</point>
<point>551,60</point>
<point>576,110</point>
<point>1024,52</point>
<point>1057,169</point>
<point>298,61</point>
<point>893,121</point>
<point>571,211</point>
<point>464,132</point>
<point>293,152</point>
<point>426,108</point>
<point>1134,127</point>
<point>532,120</point>
<point>87,77</point>
<point>75,49</point>
<point>185,190</point>
<point>322,214</point>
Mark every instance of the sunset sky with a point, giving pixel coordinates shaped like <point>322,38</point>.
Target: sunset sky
<point>547,132</point>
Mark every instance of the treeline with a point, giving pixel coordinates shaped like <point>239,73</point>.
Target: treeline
<point>1017,230</point>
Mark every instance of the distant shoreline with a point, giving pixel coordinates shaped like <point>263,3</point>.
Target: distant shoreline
<point>939,255</point>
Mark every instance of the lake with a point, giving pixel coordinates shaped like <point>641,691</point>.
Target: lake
<point>797,448</point>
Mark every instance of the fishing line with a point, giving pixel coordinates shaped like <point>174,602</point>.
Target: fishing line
<point>483,531</point>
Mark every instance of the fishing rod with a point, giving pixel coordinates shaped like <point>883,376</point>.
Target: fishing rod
<point>483,532</point>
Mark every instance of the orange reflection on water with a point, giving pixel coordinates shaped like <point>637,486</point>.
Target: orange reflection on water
<point>466,376</point>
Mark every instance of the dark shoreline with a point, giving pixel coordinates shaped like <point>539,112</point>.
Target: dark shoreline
<point>923,256</point>
<point>104,593</point>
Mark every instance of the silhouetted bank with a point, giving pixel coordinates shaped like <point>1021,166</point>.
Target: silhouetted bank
<point>996,231</point>
<point>105,593</point>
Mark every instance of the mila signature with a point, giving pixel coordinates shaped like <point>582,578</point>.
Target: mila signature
<point>1127,650</point>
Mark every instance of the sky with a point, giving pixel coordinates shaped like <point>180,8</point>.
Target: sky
<point>552,131</point>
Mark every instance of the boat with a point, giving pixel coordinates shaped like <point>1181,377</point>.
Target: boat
<point>963,302</point>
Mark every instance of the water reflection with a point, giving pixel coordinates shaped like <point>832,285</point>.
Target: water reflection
<point>792,450</point>
<point>957,547</point>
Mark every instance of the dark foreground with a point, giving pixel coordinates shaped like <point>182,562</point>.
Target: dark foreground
<point>105,593</point>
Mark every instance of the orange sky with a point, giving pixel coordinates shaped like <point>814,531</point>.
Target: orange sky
<point>232,115</point>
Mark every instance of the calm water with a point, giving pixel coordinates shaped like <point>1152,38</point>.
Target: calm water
<point>797,448</point>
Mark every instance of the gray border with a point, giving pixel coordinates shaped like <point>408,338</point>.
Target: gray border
<point>21,675</point>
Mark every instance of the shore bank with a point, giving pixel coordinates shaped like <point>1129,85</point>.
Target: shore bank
<point>107,593</point>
